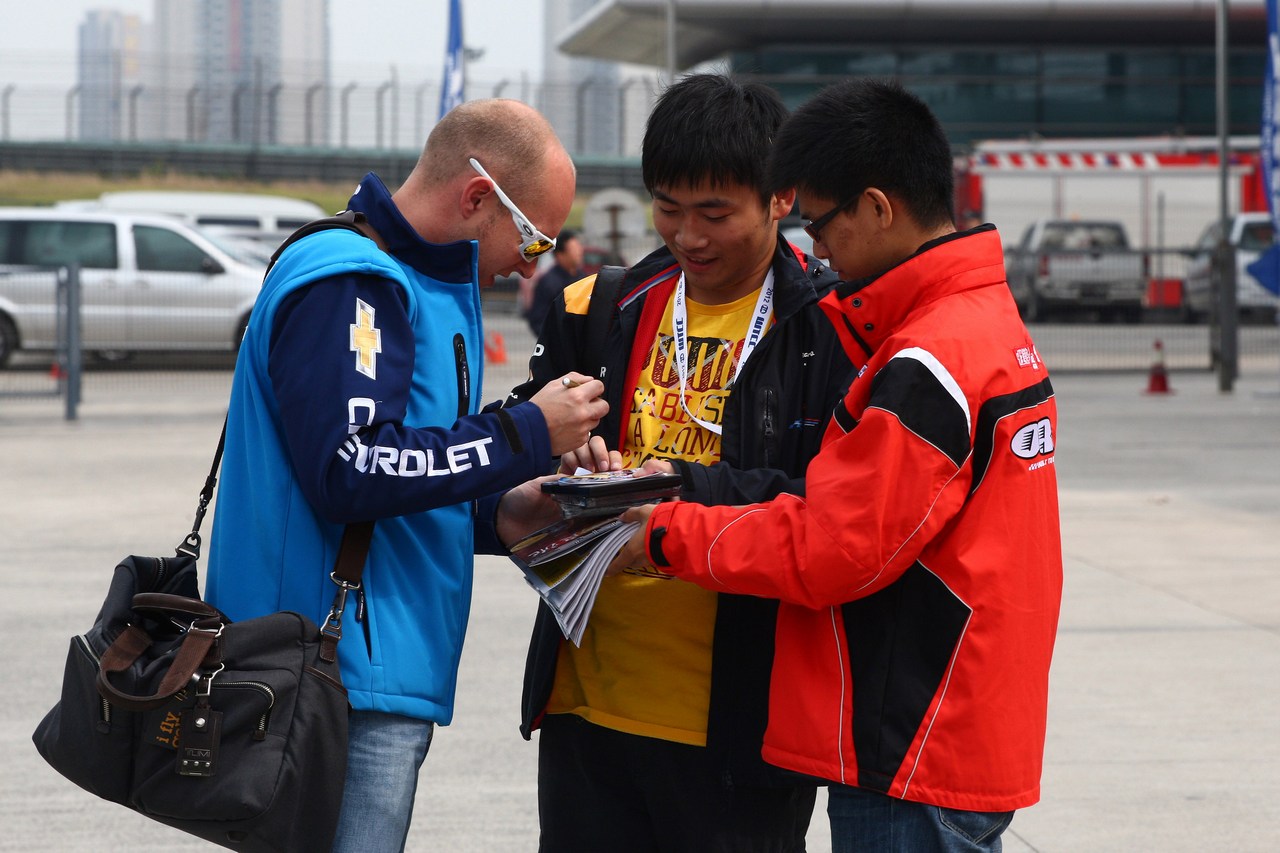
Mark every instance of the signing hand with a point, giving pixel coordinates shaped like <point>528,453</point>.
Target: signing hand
<point>572,406</point>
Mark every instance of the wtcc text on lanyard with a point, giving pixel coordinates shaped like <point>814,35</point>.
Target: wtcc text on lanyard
<point>680,330</point>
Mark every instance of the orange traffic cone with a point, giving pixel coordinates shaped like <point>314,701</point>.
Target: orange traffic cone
<point>495,348</point>
<point>1158,379</point>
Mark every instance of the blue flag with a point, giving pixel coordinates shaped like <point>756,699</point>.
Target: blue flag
<point>1266,269</point>
<point>451,90</point>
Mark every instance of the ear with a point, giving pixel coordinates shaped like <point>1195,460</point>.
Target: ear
<point>476,193</point>
<point>879,206</point>
<point>781,203</point>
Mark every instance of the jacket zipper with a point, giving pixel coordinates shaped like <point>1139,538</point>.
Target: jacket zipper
<point>767,424</point>
<point>363,621</point>
<point>464,374</point>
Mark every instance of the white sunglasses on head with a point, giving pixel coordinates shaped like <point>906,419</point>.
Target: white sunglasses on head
<point>532,241</point>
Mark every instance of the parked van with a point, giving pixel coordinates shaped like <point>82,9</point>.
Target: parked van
<point>240,211</point>
<point>147,282</point>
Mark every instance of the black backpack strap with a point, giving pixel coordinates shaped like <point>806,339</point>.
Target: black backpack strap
<point>349,219</point>
<point>604,299</point>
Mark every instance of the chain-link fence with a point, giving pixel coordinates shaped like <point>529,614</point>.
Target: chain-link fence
<point>593,117</point>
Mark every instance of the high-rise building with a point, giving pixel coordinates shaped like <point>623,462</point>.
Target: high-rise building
<point>231,71</point>
<point>171,72</point>
<point>579,96</point>
<point>109,69</point>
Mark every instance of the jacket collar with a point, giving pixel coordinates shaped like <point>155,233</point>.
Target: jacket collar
<point>448,262</point>
<point>798,279</point>
<point>867,311</point>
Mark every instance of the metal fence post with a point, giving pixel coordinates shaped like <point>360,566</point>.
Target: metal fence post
<point>5,95</point>
<point>69,280</point>
<point>1225,256</point>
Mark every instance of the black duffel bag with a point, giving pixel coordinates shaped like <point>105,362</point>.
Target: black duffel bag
<point>232,731</point>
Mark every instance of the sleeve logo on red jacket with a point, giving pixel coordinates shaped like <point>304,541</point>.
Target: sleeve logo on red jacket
<point>1028,356</point>
<point>1034,439</point>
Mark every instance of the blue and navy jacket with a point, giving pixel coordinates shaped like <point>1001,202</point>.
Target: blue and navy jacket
<point>354,399</point>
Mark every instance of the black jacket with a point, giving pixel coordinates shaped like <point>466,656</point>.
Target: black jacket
<point>548,286</point>
<point>772,425</point>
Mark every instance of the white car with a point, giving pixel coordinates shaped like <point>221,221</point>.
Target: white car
<point>148,282</point>
<point>247,212</point>
<point>1251,235</point>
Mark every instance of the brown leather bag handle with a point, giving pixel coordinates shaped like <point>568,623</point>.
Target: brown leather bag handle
<point>176,606</point>
<point>130,645</point>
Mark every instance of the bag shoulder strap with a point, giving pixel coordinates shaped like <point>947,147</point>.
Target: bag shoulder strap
<point>348,219</point>
<point>348,566</point>
<point>604,299</point>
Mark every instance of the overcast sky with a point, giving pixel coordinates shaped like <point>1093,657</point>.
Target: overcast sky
<point>38,39</point>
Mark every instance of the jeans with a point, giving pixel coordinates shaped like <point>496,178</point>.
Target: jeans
<point>864,821</point>
<point>384,754</point>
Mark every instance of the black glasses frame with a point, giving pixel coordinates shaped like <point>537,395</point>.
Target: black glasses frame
<point>814,228</point>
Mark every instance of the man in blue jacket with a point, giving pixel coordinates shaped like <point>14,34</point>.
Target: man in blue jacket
<point>354,399</point>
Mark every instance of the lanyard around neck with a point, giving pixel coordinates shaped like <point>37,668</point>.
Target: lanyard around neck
<point>680,334</point>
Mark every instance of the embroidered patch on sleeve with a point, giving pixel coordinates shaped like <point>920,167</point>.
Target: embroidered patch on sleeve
<point>1028,356</point>
<point>366,340</point>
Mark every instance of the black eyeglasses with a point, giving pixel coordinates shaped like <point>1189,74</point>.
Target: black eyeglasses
<point>814,228</point>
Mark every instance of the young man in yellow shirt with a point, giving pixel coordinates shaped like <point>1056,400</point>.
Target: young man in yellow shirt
<point>716,361</point>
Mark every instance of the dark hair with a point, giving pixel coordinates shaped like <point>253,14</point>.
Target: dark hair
<point>563,239</point>
<point>864,133</point>
<point>708,127</point>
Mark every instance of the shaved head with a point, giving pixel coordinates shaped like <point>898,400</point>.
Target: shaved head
<point>509,138</point>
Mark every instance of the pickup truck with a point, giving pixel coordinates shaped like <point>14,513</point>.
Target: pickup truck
<point>1063,266</point>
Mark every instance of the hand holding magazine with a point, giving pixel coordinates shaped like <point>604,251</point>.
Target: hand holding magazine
<point>565,561</point>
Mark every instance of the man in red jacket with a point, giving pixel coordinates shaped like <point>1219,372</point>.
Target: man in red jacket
<point>921,575</point>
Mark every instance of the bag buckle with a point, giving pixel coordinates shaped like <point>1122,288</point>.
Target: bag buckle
<point>204,681</point>
<point>333,622</point>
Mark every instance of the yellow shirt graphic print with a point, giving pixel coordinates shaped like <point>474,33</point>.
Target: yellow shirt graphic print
<point>644,666</point>
<point>657,424</point>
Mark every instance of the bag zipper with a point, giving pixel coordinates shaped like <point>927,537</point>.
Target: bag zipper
<point>260,732</point>
<point>83,642</point>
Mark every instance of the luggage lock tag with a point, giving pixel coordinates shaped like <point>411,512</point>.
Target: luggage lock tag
<point>201,729</point>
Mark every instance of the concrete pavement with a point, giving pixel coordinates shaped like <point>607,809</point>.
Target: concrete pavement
<point>1163,732</point>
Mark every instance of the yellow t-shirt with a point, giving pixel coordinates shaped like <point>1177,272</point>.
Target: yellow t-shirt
<point>644,666</point>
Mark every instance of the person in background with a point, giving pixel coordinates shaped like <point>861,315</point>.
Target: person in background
<point>921,573</point>
<point>554,279</point>
<point>719,366</point>
<point>354,399</point>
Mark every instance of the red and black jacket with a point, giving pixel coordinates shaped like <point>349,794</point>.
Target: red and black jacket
<point>921,575</point>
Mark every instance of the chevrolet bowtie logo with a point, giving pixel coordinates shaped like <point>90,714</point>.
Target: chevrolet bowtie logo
<point>366,340</point>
